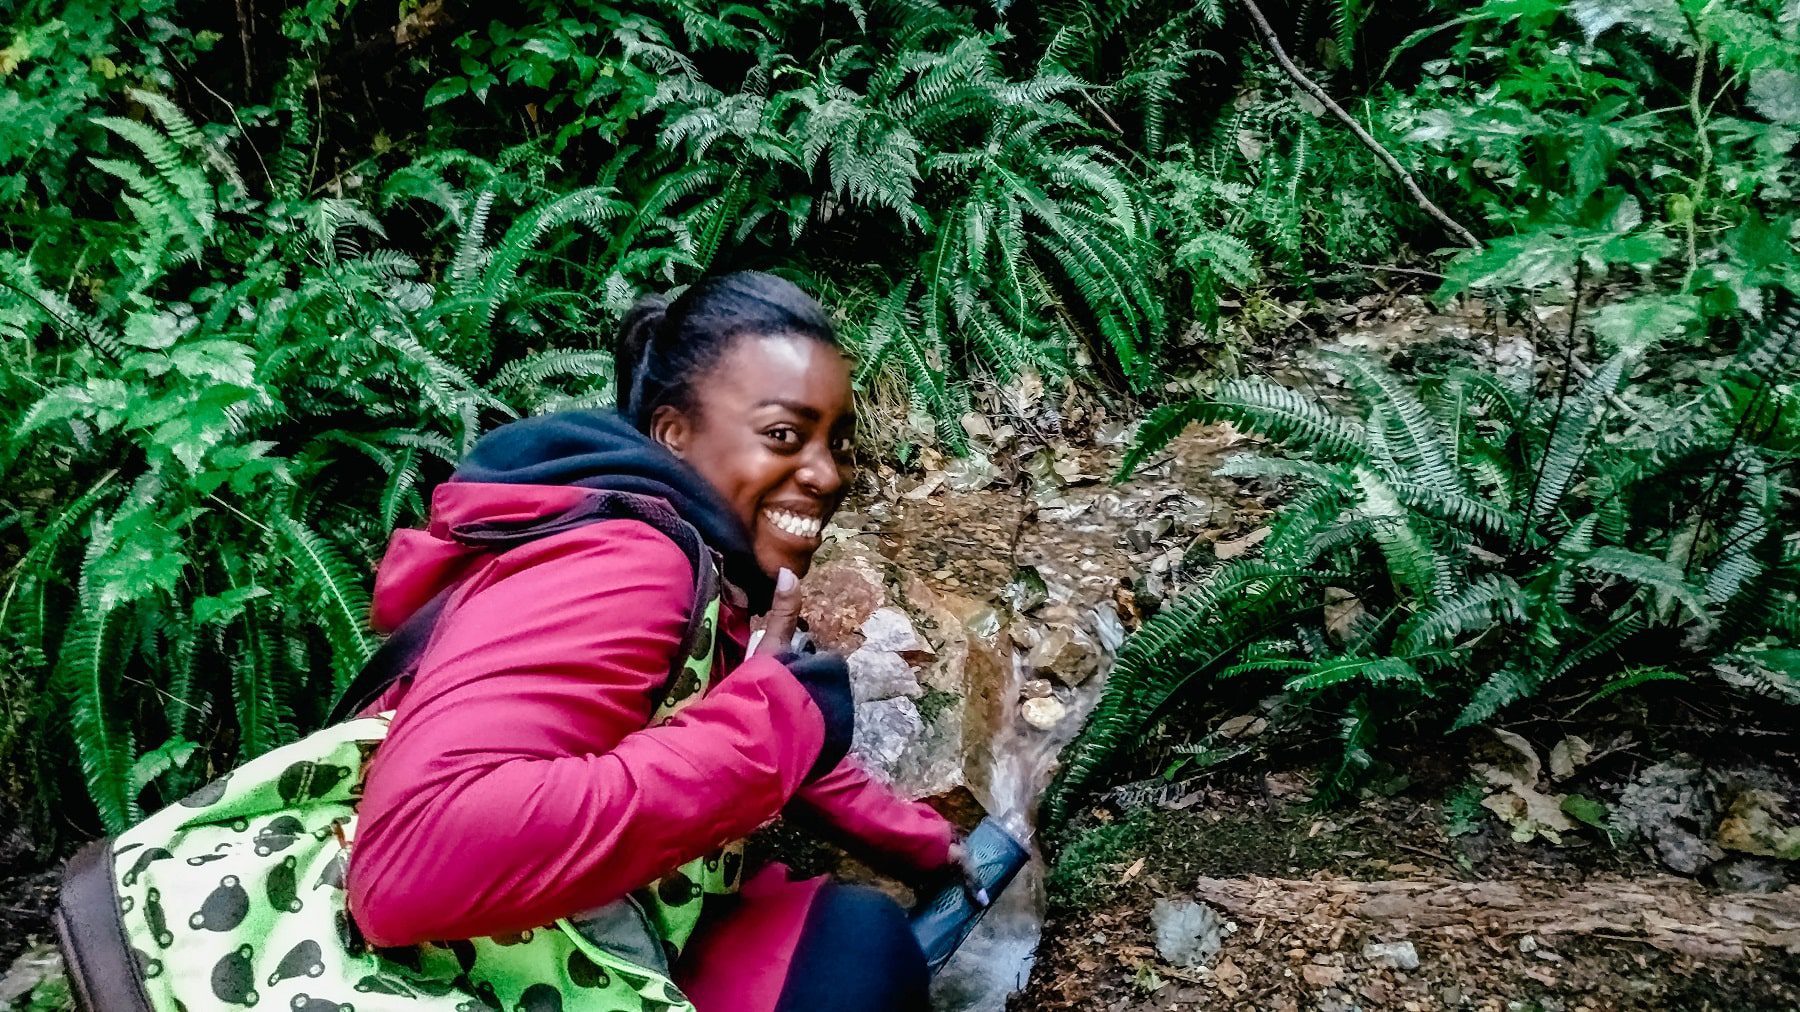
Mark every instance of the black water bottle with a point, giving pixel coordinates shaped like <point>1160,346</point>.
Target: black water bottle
<point>943,921</point>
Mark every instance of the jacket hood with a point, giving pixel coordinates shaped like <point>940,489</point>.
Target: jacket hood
<point>539,467</point>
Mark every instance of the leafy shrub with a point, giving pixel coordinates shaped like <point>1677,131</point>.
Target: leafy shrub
<point>1492,538</point>
<point>1008,235</point>
<point>240,398</point>
<point>1457,545</point>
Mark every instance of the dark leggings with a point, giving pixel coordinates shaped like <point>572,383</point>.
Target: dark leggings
<point>856,951</point>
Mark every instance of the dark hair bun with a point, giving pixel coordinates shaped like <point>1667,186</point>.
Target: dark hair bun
<point>636,331</point>
<point>666,345</point>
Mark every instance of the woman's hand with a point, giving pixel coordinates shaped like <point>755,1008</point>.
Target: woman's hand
<point>782,618</point>
<point>963,864</point>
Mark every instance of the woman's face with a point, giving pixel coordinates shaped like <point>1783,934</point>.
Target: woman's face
<point>773,432</point>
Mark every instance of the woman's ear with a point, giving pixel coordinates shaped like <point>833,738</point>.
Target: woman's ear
<point>671,427</point>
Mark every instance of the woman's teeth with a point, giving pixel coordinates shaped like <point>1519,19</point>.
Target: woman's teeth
<point>798,526</point>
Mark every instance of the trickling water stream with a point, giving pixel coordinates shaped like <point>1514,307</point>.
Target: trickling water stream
<point>997,957</point>
<point>950,558</point>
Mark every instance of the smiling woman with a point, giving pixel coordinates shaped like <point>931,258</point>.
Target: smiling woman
<point>543,767</point>
<point>741,378</point>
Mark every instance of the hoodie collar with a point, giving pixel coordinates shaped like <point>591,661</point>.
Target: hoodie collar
<point>601,450</point>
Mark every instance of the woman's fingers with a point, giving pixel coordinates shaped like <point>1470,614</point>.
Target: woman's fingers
<point>783,616</point>
<point>971,875</point>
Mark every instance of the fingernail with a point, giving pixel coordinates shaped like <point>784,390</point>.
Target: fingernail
<point>785,580</point>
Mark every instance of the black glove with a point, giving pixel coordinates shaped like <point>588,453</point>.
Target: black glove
<point>826,679</point>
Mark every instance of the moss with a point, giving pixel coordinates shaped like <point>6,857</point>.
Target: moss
<point>934,703</point>
<point>1084,871</point>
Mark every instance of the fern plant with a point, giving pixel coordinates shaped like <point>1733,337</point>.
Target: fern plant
<point>223,420</point>
<point>1495,544</point>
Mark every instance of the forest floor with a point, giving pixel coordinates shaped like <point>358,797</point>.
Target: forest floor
<point>1412,896</point>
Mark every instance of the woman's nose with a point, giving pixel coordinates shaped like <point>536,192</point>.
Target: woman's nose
<point>820,473</point>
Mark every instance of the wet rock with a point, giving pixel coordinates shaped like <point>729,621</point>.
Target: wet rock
<point>1061,648</point>
<point>1188,933</point>
<point>1044,712</point>
<point>1746,874</point>
<point>1756,823</point>
<point>1036,688</point>
<point>1027,590</point>
<point>884,727</point>
<point>837,598</point>
<point>891,630</point>
<point>1671,809</point>
<point>881,674</point>
<point>1393,955</point>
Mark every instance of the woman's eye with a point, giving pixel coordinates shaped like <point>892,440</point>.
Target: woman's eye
<point>783,435</point>
<point>844,446</point>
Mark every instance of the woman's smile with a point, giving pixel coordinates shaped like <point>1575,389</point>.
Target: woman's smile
<point>802,524</point>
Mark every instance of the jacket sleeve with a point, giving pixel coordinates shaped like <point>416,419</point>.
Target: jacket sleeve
<point>518,783</point>
<point>867,812</point>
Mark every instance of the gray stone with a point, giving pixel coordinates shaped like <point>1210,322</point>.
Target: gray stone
<point>1393,955</point>
<point>881,674</point>
<point>1036,688</point>
<point>1188,933</point>
<point>38,965</point>
<point>890,629</point>
<point>884,727</point>
<point>1748,874</point>
<point>1672,809</point>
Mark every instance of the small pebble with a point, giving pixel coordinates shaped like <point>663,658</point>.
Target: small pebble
<point>1036,688</point>
<point>1044,712</point>
<point>1395,955</point>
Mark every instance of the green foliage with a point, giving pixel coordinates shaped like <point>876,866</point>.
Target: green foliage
<point>228,402</point>
<point>1593,554</point>
<point>1636,141</point>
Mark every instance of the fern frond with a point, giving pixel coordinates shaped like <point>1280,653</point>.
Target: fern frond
<point>1631,679</point>
<point>1501,689</point>
<point>1479,606</point>
<point>84,680</point>
<point>339,599</point>
<point>1372,670</point>
<point>1659,575</point>
<point>1416,443</point>
<point>1572,431</point>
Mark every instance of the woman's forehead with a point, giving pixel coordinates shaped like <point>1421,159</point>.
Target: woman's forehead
<point>798,373</point>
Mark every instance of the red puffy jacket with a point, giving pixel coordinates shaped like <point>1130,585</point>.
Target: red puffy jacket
<point>519,784</point>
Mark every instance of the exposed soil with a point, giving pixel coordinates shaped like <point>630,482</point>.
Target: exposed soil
<point>1256,846</point>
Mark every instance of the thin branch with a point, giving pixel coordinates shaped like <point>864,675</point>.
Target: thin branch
<point>1103,113</point>
<point>1311,87</point>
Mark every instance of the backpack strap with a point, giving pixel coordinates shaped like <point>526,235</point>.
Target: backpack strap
<point>397,658</point>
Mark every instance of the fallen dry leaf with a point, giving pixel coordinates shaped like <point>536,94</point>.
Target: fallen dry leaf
<point>1317,976</point>
<point>1224,550</point>
<point>1569,755</point>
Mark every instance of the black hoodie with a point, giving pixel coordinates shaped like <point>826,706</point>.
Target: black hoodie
<point>601,450</point>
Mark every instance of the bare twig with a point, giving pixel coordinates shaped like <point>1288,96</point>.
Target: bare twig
<point>1116,128</point>
<point>1311,87</point>
<point>243,20</point>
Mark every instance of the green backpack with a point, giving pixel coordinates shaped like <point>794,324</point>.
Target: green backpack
<point>234,896</point>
